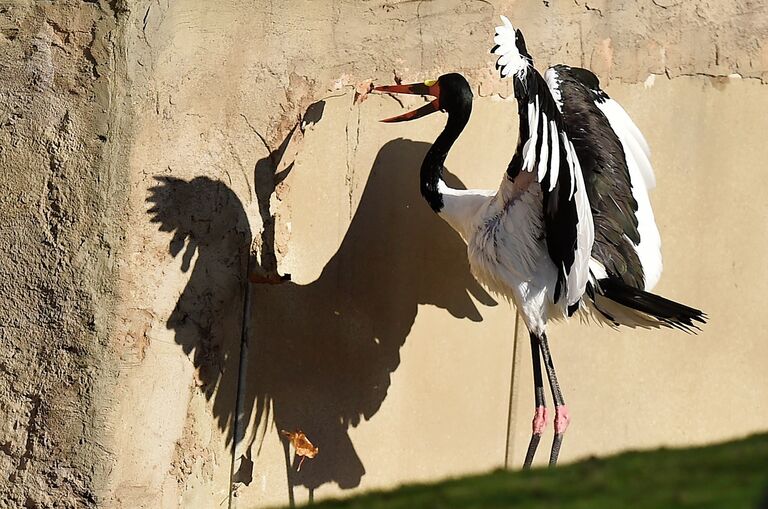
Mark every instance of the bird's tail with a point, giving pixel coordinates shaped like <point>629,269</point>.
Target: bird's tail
<point>622,304</point>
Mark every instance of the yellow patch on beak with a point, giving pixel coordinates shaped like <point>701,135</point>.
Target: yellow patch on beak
<point>429,83</point>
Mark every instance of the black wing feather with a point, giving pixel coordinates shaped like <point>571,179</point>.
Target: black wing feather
<point>560,213</point>
<point>606,175</point>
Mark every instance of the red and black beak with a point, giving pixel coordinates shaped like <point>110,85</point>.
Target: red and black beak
<point>431,88</point>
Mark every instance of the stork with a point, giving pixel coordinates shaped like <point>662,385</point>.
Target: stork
<point>570,227</point>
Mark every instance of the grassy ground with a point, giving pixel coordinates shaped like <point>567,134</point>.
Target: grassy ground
<point>726,476</point>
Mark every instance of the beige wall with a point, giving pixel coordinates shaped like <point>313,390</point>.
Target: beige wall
<point>220,115</point>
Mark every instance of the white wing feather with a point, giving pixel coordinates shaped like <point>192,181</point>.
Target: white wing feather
<point>579,275</point>
<point>642,180</point>
<point>510,60</point>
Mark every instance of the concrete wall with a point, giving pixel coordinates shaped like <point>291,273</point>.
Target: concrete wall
<point>239,139</point>
<point>63,181</point>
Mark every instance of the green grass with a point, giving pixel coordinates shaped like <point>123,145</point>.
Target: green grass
<point>725,476</point>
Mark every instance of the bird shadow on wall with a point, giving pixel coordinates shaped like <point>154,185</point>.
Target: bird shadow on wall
<point>320,355</point>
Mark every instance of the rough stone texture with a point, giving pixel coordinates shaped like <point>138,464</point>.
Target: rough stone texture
<point>62,187</point>
<point>148,146</point>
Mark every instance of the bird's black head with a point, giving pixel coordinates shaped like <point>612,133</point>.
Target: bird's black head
<point>455,93</point>
<point>452,94</point>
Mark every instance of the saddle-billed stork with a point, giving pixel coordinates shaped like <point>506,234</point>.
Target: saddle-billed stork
<point>571,225</point>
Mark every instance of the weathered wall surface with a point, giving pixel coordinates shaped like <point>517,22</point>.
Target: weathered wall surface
<point>62,189</point>
<point>241,133</point>
<point>381,347</point>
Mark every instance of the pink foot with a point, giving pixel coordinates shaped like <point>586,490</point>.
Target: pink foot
<point>562,419</point>
<point>539,420</point>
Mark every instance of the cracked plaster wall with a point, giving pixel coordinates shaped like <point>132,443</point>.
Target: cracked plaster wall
<point>146,144</point>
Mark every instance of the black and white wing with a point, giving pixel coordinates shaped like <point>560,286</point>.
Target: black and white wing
<point>615,162</point>
<point>546,151</point>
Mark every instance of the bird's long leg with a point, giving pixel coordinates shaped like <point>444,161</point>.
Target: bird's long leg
<point>540,415</point>
<point>561,411</point>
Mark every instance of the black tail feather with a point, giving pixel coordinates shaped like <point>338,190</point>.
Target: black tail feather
<point>669,313</point>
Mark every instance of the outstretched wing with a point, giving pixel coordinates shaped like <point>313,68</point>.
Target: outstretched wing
<point>546,151</point>
<point>615,162</point>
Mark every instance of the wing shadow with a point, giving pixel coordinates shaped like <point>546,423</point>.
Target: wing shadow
<point>207,219</point>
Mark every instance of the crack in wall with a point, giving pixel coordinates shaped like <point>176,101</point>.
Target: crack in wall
<point>352,142</point>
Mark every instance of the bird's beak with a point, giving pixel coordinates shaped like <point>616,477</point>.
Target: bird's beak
<point>429,87</point>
